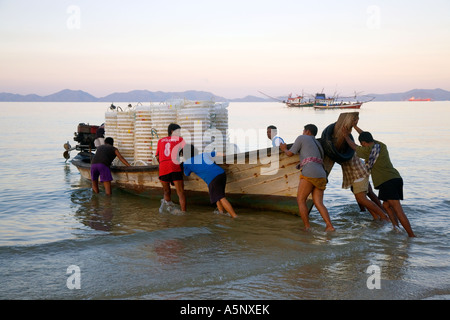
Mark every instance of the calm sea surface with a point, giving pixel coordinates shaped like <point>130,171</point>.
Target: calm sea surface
<point>125,249</point>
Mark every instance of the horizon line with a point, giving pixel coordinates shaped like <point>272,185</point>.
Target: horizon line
<point>177,92</point>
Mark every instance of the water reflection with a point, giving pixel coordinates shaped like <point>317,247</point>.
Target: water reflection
<point>93,210</point>
<point>168,251</point>
<point>121,213</point>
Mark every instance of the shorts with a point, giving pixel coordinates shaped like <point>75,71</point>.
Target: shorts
<point>319,183</point>
<point>359,186</point>
<point>171,177</point>
<point>102,170</point>
<point>217,188</point>
<point>391,190</point>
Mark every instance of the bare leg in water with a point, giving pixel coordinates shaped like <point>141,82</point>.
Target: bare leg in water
<point>224,205</point>
<point>179,186</point>
<point>304,189</point>
<point>372,207</point>
<point>396,213</point>
<point>106,184</point>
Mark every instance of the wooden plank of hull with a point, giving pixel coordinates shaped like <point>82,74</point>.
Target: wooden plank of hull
<point>352,106</point>
<point>300,105</point>
<point>256,185</point>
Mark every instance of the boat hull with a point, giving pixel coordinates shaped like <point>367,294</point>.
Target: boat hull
<point>263,179</point>
<point>344,106</point>
<point>300,105</point>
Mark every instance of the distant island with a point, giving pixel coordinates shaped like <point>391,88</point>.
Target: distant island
<point>143,96</point>
<point>434,95</point>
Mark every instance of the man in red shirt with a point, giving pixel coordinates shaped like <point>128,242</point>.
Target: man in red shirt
<point>170,171</point>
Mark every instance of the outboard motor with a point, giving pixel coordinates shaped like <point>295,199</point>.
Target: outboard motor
<point>85,136</point>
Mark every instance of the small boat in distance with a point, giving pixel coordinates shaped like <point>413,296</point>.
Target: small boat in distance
<point>324,103</point>
<point>298,101</point>
<point>321,102</point>
<point>349,105</point>
<point>418,99</point>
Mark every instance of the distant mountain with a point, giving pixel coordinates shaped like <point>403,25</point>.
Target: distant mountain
<point>249,99</point>
<point>132,96</point>
<point>70,96</point>
<point>61,96</point>
<point>158,96</point>
<point>12,97</point>
<point>435,94</point>
<point>149,96</point>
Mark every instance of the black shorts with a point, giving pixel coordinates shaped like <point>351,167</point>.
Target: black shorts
<point>391,190</point>
<point>217,188</point>
<point>171,177</point>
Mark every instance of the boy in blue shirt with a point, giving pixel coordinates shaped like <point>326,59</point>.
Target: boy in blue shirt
<point>203,166</point>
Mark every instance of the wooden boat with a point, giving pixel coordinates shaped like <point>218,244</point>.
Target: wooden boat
<point>321,102</point>
<point>298,101</point>
<point>264,179</point>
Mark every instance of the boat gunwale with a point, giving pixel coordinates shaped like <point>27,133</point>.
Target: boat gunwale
<point>226,158</point>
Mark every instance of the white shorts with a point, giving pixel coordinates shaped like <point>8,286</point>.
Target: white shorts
<point>360,185</point>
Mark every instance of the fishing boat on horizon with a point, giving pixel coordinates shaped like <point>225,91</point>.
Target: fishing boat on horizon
<point>322,102</point>
<point>298,101</point>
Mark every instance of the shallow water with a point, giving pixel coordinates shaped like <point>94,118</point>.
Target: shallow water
<point>126,249</point>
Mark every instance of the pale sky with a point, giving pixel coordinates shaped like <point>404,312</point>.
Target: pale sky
<point>230,48</point>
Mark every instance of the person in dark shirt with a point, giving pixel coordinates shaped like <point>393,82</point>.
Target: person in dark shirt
<point>101,163</point>
<point>385,177</point>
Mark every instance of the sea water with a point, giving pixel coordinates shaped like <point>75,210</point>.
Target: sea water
<point>59,240</point>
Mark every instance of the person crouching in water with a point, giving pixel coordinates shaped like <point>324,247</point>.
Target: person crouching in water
<point>215,177</point>
<point>101,163</point>
<point>170,172</point>
<point>313,177</point>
